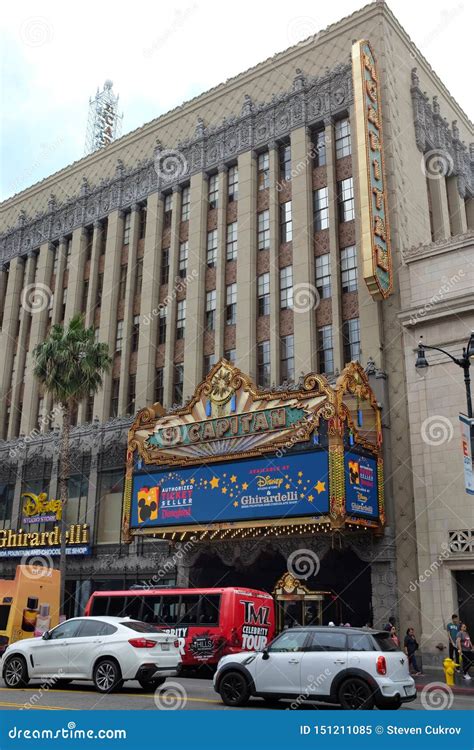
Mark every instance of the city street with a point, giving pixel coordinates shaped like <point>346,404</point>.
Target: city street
<point>185,693</point>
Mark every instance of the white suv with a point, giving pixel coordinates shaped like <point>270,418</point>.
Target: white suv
<point>356,668</point>
<point>106,650</point>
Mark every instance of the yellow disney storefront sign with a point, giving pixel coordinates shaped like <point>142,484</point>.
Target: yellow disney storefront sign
<point>38,509</point>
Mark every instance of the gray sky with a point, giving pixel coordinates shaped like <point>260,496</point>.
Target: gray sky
<point>56,54</point>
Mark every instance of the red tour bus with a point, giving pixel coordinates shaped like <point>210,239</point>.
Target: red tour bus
<point>209,623</point>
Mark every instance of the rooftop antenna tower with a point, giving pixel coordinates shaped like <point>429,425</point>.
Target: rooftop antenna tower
<point>104,123</point>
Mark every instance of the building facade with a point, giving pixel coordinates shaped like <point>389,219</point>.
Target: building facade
<point>235,226</point>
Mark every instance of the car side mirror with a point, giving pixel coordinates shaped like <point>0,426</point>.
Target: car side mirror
<point>46,636</point>
<point>265,654</point>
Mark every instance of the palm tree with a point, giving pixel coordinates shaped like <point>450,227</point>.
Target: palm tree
<point>70,364</point>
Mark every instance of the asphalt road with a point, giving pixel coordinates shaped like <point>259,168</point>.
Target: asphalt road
<point>184,693</point>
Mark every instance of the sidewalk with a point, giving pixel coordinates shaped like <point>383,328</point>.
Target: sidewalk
<point>461,686</point>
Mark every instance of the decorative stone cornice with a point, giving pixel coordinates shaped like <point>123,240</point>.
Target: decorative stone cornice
<point>310,102</point>
<point>445,245</point>
<point>433,134</point>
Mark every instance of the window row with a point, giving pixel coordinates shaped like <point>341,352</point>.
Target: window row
<point>348,268</point>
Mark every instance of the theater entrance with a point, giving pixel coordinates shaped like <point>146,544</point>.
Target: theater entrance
<point>296,604</point>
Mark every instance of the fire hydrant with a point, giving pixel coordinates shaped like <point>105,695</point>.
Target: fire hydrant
<point>449,665</point>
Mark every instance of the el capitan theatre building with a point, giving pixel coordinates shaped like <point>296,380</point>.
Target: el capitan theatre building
<point>281,491</point>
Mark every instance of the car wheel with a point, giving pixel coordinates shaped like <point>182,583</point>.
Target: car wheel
<point>234,689</point>
<point>15,672</point>
<point>152,683</point>
<point>107,676</point>
<point>355,695</point>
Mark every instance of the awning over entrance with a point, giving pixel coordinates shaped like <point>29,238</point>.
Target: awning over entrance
<point>236,461</point>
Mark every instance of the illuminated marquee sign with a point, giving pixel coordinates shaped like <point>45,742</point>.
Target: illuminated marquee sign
<point>20,543</point>
<point>375,230</point>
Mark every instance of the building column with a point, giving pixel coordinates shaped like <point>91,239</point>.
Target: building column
<point>196,292</point>
<point>75,282</point>
<point>439,207</point>
<point>304,306</point>
<point>274,267</point>
<point>171,301</point>
<point>8,334</point>
<point>39,321</point>
<point>93,274</point>
<point>108,316</point>
<point>334,248</point>
<point>456,207</point>
<point>149,301</point>
<point>22,461</point>
<point>246,332</point>
<point>25,312</point>
<point>128,313</point>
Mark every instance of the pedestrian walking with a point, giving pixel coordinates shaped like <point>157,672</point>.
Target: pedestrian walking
<point>390,624</point>
<point>410,646</point>
<point>453,628</point>
<point>394,636</point>
<point>464,645</point>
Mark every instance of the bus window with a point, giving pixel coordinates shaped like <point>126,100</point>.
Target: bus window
<point>99,605</point>
<point>209,610</point>
<point>170,610</point>
<point>133,607</point>
<point>151,609</point>
<point>117,606</point>
<point>189,609</point>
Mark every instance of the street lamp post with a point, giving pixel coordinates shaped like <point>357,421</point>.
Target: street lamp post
<point>464,361</point>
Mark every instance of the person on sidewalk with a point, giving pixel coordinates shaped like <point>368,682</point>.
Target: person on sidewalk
<point>464,645</point>
<point>394,636</point>
<point>410,646</point>
<point>390,624</point>
<point>453,628</point>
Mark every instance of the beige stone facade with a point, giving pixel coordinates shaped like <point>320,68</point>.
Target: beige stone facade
<point>116,249</point>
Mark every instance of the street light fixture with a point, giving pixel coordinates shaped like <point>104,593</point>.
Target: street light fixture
<point>464,361</point>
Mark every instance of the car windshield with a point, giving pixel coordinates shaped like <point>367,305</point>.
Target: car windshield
<point>385,642</point>
<point>142,627</point>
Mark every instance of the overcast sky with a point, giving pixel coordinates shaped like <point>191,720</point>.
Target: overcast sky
<point>55,55</point>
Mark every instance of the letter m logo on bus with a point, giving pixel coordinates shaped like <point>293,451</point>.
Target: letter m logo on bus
<point>254,617</point>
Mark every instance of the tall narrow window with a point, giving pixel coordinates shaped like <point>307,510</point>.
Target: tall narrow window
<point>263,170</point>
<point>323,275</point>
<point>135,333</point>
<point>319,148</point>
<point>212,248</point>
<point>180,319</point>
<point>230,355</point>
<point>159,385</point>
<point>263,364</point>
<point>119,336</point>
<point>213,191</point>
<point>286,287</point>
<point>286,223</point>
<point>132,380</point>
<point>68,253</point>
<point>55,260</point>
<point>233,184</point>
<point>285,161</point>
<point>85,293</point>
<point>185,203</point>
<point>165,265</point>
<point>211,310</point>
<point>351,339</point>
<point>138,277</point>
<point>100,285</point>
<point>287,359</point>
<point>345,198</point>
<point>89,238</point>
<point>114,397</point>
<point>183,259</point>
<point>122,282</point>
<point>209,362</point>
<point>342,138</point>
<point>263,289</point>
<point>162,317</point>
<point>167,210</point>
<point>349,269</point>
<point>127,223</point>
<point>142,223</point>
<point>263,230</point>
<point>321,209</point>
<point>178,380</point>
<point>231,241</point>
<point>231,304</point>
<point>325,350</point>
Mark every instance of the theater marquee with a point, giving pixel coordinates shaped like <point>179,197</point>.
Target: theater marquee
<point>237,461</point>
<point>375,230</point>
